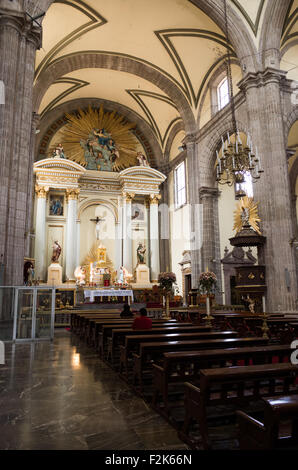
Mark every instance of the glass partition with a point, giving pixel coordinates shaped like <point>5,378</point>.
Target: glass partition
<point>7,302</point>
<point>27,313</point>
<point>24,308</point>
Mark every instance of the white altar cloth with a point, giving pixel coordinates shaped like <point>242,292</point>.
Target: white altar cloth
<point>91,293</point>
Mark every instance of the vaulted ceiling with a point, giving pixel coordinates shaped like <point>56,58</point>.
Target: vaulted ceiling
<point>173,37</point>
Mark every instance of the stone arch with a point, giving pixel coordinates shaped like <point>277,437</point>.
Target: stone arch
<point>213,81</point>
<point>99,59</point>
<point>144,132</point>
<point>290,119</point>
<point>95,202</point>
<point>213,143</point>
<point>174,131</point>
<point>239,35</point>
<point>271,32</point>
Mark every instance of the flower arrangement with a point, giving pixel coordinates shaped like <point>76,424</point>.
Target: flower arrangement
<point>166,281</point>
<point>207,282</point>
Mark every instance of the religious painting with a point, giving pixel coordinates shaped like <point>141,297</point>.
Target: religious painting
<point>56,204</point>
<point>99,140</point>
<point>137,212</point>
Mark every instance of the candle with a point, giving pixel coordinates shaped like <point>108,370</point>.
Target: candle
<point>229,138</point>
<point>264,303</point>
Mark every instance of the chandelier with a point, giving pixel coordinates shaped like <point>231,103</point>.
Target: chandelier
<point>237,158</point>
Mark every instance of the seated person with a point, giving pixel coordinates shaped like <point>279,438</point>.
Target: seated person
<point>126,312</point>
<point>142,322</point>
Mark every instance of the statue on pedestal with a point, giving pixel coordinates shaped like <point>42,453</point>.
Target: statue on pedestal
<point>141,250</point>
<point>56,252</point>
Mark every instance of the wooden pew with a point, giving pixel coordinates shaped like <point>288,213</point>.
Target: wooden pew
<point>179,367</point>
<point>97,326</point>
<point>153,352</point>
<point>233,385</point>
<point>93,326</point>
<point>133,342</point>
<point>256,435</point>
<point>108,334</point>
<point>118,337</point>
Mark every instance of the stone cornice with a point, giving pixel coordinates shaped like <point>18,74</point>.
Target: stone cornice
<point>204,192</point>
<point>262,78</point>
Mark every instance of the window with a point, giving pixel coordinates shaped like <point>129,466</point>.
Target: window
<point>223,96</point>
<point>180,190</point>
<point>246,186</point>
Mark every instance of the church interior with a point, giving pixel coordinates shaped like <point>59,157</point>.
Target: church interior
<point>149,165</point>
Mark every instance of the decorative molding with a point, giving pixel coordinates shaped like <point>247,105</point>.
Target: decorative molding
<point>41,191</point>
<point>165,37</point>
<point>76,85</point>
<point>136,95</point>
<point>154,198</point>
<point>95,21</point>
<point>253,25</point>
<point>72,194</point>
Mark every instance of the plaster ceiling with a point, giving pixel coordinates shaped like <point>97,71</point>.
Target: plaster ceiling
<point>173,36</point>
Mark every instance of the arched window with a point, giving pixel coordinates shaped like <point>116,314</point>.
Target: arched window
<point>180,186</point>
<point>223,96</point>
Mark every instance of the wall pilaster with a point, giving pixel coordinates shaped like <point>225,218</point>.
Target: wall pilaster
<point>272,191</point>
<point>18,43</point>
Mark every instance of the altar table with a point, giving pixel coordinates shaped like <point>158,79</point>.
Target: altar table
<point>92,293</point>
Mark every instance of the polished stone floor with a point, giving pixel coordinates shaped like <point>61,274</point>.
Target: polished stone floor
<point>59,395</point>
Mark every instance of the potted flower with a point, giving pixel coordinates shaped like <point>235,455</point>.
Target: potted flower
<point>166,281</point>
<point>207,285</point>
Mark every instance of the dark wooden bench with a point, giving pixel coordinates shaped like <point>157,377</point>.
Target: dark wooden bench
<point>257,435</point>
<point>111,334</point>
<point>179,367</point>
<point>132,342</point>
<point>233,385</point>
<point>96,328</point>
<point>153,352</point>
<point>118,337</point>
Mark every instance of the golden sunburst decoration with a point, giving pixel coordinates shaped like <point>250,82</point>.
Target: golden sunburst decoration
<point>247,213</point>
<point>80,131</point>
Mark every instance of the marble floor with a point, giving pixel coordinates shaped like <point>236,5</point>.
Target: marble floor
<point>59,395</point>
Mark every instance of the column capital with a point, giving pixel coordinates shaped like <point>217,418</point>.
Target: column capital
<point>261,78</point>
<point>41,191</point>
<point>205,192</point>
<point>129,196</point>
<point>22,25</point>
<point>72,193</point>
<point>154,198</point>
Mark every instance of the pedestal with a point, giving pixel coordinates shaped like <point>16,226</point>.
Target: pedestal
<point>55,274</point>
<point>142,274</point>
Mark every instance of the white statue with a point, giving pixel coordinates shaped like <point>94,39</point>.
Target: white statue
<point>142,159</point>
<point>80,275</point>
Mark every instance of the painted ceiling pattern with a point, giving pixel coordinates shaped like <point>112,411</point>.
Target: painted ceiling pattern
<point>172,36</point>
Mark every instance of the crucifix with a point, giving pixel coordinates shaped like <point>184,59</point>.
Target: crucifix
<point>97,227</point>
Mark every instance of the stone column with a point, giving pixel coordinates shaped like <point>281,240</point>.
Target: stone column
<point>265,112</point>
<point>78,232</point>
<point>40,234</point>
<point>30,189</point>
<point>154,237</point>
<point>71,233</point>
<point>211,242</point>
<point>164,239</point>
<point>19,40</point>
<point>195,210</point>
<point>127,232</point>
